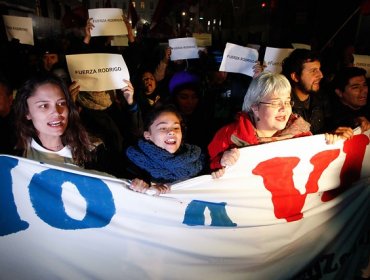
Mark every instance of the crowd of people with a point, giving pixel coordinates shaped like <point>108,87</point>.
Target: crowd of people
<point>175,119</point>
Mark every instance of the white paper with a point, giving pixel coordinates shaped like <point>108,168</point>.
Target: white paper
<point>19,28</point>
<point>183,48</point>
<point>274,58</point>
<point>98,71</point>
<point>107,22</point>
<point>238,59</point>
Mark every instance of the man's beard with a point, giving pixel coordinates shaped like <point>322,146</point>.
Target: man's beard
<point>306,90</point>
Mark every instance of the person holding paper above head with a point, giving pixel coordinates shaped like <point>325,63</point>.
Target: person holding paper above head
<point>266,116</point>
<point>111,115</point>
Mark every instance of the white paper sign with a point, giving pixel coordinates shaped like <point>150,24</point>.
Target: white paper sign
<point>362,61</point>
<point>274,58</point>
<point>98,71</point>
<point>107,22</point>
<point>183,48</point>
<point>238,59</point>
<point>19,28</point>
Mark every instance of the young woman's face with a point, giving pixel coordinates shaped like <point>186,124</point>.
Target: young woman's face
<point>165,132</point>
<point>187,101</point>
<point>48,111</point>
<point>273,117</point>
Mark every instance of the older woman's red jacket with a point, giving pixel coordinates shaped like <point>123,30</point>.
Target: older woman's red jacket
<point>242,133</point>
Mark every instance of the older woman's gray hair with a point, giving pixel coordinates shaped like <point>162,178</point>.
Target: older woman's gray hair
<point>262,85</point>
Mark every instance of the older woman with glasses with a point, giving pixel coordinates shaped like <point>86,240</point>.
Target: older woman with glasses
<point>266,116</point>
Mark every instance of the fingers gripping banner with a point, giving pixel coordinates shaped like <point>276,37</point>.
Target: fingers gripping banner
<point>294,209</point>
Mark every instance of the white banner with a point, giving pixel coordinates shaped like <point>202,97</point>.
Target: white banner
<point>183,48</point>
<point>274,58</point>
<point>238,59</point>
<point>294,209</point>
<point>19,28</point>
<point>107,22</point>
<point>362,61</point>
<point>98,71</point>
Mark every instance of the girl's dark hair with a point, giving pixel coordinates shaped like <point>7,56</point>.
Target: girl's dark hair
<point>75,135</point>
<point>159,109</point>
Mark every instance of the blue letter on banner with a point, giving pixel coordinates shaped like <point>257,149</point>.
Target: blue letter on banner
<point>194,214</point>
<point>10,222</point>
<point>46,197</point>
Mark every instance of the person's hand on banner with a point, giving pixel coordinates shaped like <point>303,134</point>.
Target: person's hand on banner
<point>363,123</point>
<point>141,186</point>
<point>333,138</point>
<point>229,158</point>
<point>342,132</point>
<point>218,173</point>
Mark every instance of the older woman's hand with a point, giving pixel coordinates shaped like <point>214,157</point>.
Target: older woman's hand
<point>218,173</point>
<point>230,157</point>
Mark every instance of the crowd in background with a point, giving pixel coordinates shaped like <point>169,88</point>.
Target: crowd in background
<point>175,119</point>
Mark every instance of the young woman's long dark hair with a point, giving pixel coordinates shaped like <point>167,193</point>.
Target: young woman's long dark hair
<point>75,135</point>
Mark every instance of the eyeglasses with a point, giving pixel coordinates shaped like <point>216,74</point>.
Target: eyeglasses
<point>279,103</point>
